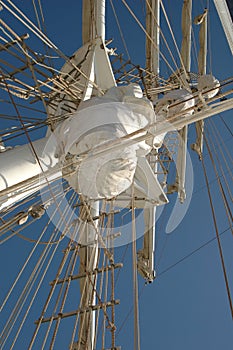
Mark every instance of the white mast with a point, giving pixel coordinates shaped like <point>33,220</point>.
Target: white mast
<point>186,64</point>
<point>94,17</point>
<point>146,255</point>
<point>93,24</point>
<point>153,29</point>
<point>202,21</point>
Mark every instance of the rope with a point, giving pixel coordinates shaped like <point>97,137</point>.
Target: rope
<point>28,287</point>
<point>174,40</point>
<point>190,254</point>
<point>224,122</point>
<point>120,30</point>
<point>26,107</point>
<point>45,39</point>
<point>32,147</point>
<point>8,227</point>
<point>149,37</point>
<point>218,239</point>
<point>226,204</point>
<point>165,271</point>
<point>135,278</point>
<point>28,259</point>
<point>52,290</point>
<point>219,163</point>
<point>36,62</point>
<point>68,273</point>
<point>222,144</point>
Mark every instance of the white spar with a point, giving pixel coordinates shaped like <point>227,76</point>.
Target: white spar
<point>19,165</point>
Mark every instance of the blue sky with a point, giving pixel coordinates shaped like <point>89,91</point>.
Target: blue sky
<point>186,307</point>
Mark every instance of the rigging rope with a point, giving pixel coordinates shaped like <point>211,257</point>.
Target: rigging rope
<point>29,257</point>
<point>120,30</point>
<point>30,90</point>
<point>174,40</point>
<point>38,267</point>
<point>45,39</point>
<point>224,198</point>
<point>218,138</point>
<point>149,37</point>
<point>34,151</point>
<point>135,278</point>
<point>218,238</point>
<point>191,253</point>
<point>68,273</point>
<point>165,271</point>
<point>224,122</point>
<point>24,226</point>
<point>26,107</point>
<point>222,174</point>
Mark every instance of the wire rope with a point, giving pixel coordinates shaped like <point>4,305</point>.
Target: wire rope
<point>65,257</point>
<point>34,151</point>
<point>170,267</point>
<point>36,62</point>
<point>45,39</point>
<point>135,278</point>
<point>191,253</point>
<point>24,226</point>
<point>104,256</point>
<point>224,198</point>
<point>28,259</point>
<point>24,106</point>
<point>222,144</point>
<point>149,37</point>
<point>224,122</point>
<point>120,30</point>
<point>174,40</point>
<point>218,239</point>
<point>69,272</point>
<point>43,275</point>
<point>219,162</point>
<point>66,252</point>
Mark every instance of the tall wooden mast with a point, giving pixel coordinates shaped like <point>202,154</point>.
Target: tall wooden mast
<point>186,64</point>
<point>202,21</point>
<point>146,255</point>
<point>153,29</point>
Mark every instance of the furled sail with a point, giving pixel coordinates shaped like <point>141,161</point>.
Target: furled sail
<point>120,112</point>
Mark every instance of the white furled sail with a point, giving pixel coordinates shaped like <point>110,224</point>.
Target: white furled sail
<point>208,85</point>
<point>120,112</point>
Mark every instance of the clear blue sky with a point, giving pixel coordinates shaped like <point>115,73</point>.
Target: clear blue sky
<point>186,307</point>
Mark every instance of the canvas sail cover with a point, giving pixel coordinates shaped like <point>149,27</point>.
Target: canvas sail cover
<point>120,112</point>
<point>208,85</point>
<point>175,102</point>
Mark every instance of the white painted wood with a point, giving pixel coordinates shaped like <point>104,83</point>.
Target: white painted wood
<point>226,20</point>
<point>19,165</point>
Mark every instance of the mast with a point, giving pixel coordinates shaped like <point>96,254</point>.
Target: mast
<point>93,26</point>
<point>146,255</point>
<point>186,35</point>
<point>153,29</point>
<point>93,23</point>
<point>186,64</point>
<point>202,21</point>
